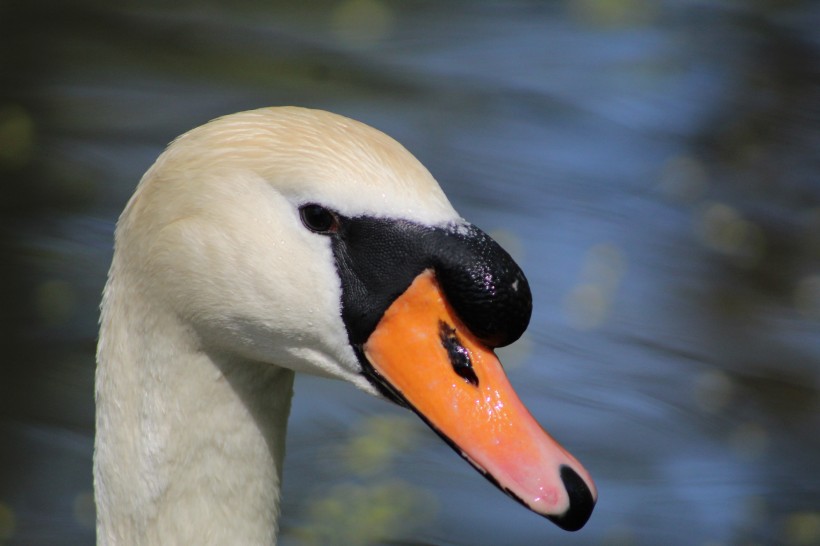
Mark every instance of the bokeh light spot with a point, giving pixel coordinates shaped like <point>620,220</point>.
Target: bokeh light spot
<point>362,23</point>
<point>713,391</point>
<point>683,179</point>
<point>723,229</point>
<point>84,510</point>
<point>16,137</point>
<point>55,301</point>
<point>7,522</point>
<point>586,306</point>
<point>750,440</point>
<point>380,439</point>
<point>353,514</point>
<point>589,303</point>
<point>803,529</point>
<point>807,296</point>
<point>613,13</point>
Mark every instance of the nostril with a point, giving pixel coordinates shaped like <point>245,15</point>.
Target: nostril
<point>458,354</point>
<point>581,501</point>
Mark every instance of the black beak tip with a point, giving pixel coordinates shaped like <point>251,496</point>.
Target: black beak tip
<point>581,502</point>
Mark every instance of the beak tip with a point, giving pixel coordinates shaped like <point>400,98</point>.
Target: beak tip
<point>581,502</point>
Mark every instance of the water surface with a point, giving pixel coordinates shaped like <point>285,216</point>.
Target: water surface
<point>652,166</point>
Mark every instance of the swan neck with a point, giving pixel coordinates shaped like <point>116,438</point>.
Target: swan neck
<point>190,442</point>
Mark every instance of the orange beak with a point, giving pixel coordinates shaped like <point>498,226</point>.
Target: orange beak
<point>425,355</point>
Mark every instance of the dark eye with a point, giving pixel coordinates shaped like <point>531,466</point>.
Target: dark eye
<point>318,219</point>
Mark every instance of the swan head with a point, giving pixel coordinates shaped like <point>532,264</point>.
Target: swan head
<point>306,240</point>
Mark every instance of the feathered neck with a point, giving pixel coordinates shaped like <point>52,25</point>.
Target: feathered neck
<point>189,442</point>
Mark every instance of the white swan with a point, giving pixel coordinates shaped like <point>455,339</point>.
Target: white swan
<point>289,240</point>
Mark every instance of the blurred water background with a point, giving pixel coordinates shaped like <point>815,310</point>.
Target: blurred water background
<point>653,166</point>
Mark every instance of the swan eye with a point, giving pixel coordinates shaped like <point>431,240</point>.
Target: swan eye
<point>318,219</point>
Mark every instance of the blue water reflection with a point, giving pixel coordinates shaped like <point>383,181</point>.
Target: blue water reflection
<point>652,166</point>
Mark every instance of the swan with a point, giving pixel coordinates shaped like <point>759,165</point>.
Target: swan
<point>286,240</point>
